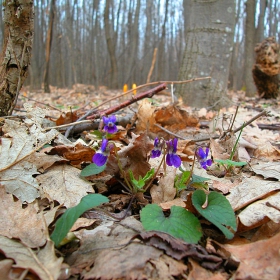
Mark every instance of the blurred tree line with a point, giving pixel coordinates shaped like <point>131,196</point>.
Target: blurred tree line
<point>113,42</point>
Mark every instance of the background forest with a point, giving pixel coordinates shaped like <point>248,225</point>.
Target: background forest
<point>112,42</point>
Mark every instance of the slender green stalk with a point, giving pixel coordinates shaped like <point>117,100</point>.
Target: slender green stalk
<point>236,142</point>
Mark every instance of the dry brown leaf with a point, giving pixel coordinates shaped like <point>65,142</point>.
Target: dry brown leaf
<point>198,272</point>
<point>177,201</point>
<point>258,260</point>
<point>25,224</point>
<point>224,185</point>
<point>250,190</point>
<point>165,190</point>
<point>5,269</point>
<point>82,222</point>
<point>258,212</point>
<point>63,184</point>
<point>267,169</point>
<point>134,157</point>
<point>145,115</point>
<point>166,267</point>
<point>16,169</point>
<point>123,263</point>
<point>217,151</point>
<point>43,161</point>
<point>43,262</point>
<point>266,231</point>
<point>75,154</point>
<point>266,151</point>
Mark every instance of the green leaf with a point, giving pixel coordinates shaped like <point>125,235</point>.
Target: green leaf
<point>140,183</point>
<point>218,211</point>
<point>229,162</point>
<point>67,220</point>
<point>199,179</point>
<point>180,183</point>
<point>180,224</point>
<point>97,133</point>
<point>92,169</point>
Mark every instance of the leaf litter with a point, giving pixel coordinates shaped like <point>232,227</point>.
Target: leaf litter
<point>40,179</point>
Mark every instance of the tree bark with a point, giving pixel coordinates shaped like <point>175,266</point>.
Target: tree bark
<point>249,46</point>
<point>48,48</point>
<point>111,47</point>
<point>208,52</point>
<point>16,52</point>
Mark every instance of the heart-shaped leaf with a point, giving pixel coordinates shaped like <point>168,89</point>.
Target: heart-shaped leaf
<point>180,224</point>
<point>67,220</point>
<point>218,211</point>
<point>92,169</point>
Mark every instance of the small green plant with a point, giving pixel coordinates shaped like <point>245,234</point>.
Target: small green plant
<point>70,216</point>
<point>228,164</point>
<point>138,185</point>
<point>181,223</point>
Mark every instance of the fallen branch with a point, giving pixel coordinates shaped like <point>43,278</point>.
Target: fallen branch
<point>148,94</point>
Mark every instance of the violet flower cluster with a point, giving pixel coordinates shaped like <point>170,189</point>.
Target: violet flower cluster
<point>172,159</point>
<point>101,156</point>
<point>202,157</point>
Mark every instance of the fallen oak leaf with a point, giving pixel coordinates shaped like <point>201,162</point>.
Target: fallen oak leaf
<point>177,248</point>
<point>43,263</point>
<point>25,224</point>
<point>63,184</point>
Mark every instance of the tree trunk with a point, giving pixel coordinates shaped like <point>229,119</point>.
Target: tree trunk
<point>48,47</point>
<point>261,18</point>
<point>111,47</point>
<point>208,52</point>
<point>134,42</point>
<point>16,52</point>
<point>249,46</point>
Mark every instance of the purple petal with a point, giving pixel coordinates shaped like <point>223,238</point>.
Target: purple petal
<point>99,159</point>
<point>206,152</point>
<point>173,160</point>
<point>155,153</point>
<point>209,162</point>
<point>156,142</point>
<point>104,145</point>
<point>203,164</point>
<point>200,153</point>
<point>175,142</point>
<point>111,128</point>
<point>110,119</point>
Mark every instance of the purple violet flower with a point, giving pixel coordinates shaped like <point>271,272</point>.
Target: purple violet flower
<point>172,159</point>
<point>101,156</point>
<point>110,124</point>
<point>156,152</point>
<point>202,157</point>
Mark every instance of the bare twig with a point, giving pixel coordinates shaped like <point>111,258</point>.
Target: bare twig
<point>147,94</point>
<point>43,103</point>
<point>214,137</point>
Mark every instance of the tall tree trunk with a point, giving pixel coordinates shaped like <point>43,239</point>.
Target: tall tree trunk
<point>133,43</point>
<point>161,47</point>
<point>111,47</point>
<point>249,46</point>
<point>48,48</point>
<point>260,28</point>
<point>16,52</point>
<point>208,52</point>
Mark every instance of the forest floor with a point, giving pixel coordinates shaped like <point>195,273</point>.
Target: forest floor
<point>222,222</point>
